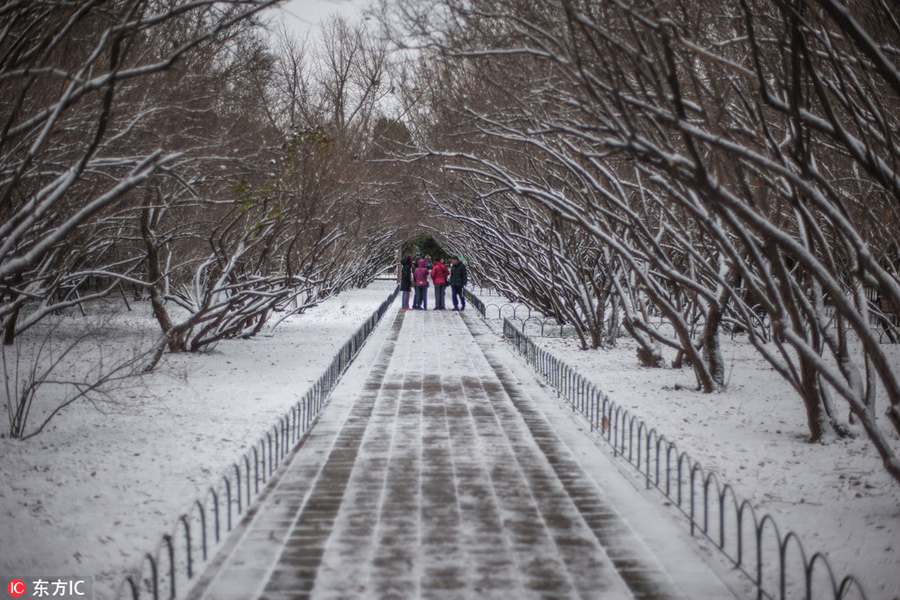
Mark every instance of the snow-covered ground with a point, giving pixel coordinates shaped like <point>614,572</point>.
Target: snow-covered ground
<point>96,490</point>
<point>835,495</point>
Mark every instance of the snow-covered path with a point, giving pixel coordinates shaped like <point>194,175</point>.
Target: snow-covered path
<point>442,469</point>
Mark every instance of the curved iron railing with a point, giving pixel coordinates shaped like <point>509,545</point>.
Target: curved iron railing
<point>776,563</point>
<point>169,568</point>
<point>527,318</point>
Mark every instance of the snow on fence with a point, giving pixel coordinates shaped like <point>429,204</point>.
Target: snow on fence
<point>776,563</point>
<point>884,323</point>
<point>190,542</point>
<point>548,326</point>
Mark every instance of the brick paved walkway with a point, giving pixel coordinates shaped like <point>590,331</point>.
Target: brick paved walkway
<point>436,475</point>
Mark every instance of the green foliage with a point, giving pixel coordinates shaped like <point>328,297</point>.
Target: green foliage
<point>424,244</point>
<point>312,139</point>
<point>300,145</point>
<point>264,195</point>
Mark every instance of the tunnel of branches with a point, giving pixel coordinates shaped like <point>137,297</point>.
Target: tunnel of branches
<point>667,172</point>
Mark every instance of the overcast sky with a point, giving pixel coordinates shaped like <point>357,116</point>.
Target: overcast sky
<point>304,14</point>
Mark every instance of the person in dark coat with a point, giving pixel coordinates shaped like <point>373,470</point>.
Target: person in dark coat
<point>405,279</point>
<point>439,275</point>
<point>420,278</point>
<point>459,278</point>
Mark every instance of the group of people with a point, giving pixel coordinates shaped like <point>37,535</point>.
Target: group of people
<point>414,276</point>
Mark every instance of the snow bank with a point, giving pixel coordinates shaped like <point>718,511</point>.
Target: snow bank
<point>97,490</point>
<point>835,494</point>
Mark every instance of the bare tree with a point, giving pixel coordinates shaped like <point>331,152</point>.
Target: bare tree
<point>726,145</point>
<point>75,139</point>
<point>44,373</point>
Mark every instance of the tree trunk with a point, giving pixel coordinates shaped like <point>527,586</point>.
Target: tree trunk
<point>9,329</point>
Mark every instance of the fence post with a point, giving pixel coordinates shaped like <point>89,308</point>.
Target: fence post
<point>284,434</point>
<point>611,420</point>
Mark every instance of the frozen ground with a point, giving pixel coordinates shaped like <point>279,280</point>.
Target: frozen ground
<point>96,490</point>
<point>834,494</point>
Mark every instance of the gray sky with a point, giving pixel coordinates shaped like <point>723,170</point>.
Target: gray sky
<point>305,14</point>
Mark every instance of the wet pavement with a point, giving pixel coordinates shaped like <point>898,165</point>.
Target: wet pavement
<point>434,472</point>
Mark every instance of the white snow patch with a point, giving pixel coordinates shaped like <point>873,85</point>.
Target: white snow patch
<point>96,491</point>
<point>835,494</point>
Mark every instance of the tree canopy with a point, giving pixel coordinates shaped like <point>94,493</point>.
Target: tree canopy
<point>672,170</point>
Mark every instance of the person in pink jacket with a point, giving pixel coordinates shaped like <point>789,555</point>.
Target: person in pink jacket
<point>439,275</point>
<point>420,279</point>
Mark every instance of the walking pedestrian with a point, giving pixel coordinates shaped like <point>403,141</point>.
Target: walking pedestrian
<point>428,262</point>
<point>420,277</point>
<point>406,280</point>
<point>459,278</point>
<point>439,275</point>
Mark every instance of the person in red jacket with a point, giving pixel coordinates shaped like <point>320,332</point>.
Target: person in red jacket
<point>420,279</point>
<point>439,275</point>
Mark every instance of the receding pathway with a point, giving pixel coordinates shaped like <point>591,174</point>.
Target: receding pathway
<point>433,473</point>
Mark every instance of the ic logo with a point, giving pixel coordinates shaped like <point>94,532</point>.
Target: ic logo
<point>16,588</point>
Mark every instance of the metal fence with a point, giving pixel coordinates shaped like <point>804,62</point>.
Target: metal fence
<point>167,570</point>
<point>884,323</point>
<point>774,561</point>
<point>529,319</point>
